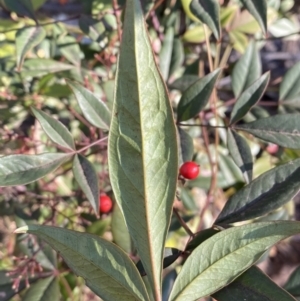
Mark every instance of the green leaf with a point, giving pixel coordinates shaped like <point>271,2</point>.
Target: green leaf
<point>264,194</point>
<point>165,54</point>
<point>43,290</point>
<point>56,131</point>
<point>240,153</point>
<point>249,98</point>
<point>87,179</point>
<point>23,169</point>
<point>178,56</point>
<point>226,255</point>
<point>94,28</point>
<point>258,9</point>
<point>92,107</point>
<point>293,283</point>
<point>207,11</point>
<point>184,82</point>
<point>21,7</point>
<point>290,85</point>
<point>170,255</point>
<point>39,67</point>
<point>167,285</point>
<point>200,238</point>
<point>283,129</point>
<point>196,97</point>
<point>26,39</point>
<point>69,48</point>
<point>186,146</point>
<point>142,150</point>
<point>107,270</point>
<point>253,285</point>
<point>119,230</point>
<point>247,70</point>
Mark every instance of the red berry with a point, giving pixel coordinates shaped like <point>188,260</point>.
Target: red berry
<point>105,203</point>
<point>189,170</point>
<point>272,149</point>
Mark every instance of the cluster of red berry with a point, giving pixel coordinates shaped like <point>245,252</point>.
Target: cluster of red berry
<point>188,170</point>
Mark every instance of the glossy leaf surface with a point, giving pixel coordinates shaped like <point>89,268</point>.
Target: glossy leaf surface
<point>240,153</point>
<point>247,70</point>
<point>108,271</point>
<point>249,98</point>
<point>196,97</point>
<point>253,285</point>
<point>283,129</point>
<point>43,290</point>
<point>225,256</point>
<point>207,11</point>
<point>142,143</point>
<point>26,39</point>
<point>266,193</point>
<point>258,8</point>
<point>93,108</point>
<point>23,169</point>
<point>55,130</point>
<point>87,179</point>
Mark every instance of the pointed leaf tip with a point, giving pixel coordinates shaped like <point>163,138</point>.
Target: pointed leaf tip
<point>23,229</point>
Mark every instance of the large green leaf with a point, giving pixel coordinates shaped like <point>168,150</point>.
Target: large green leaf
<point>240,153</point>
<point>290,85</point>
<point>56,131</point>
<point>92,107</point>
<point>253,285</point>
<point>26,39</point>
<point>283,129</point>
<point>207,11</point>
<point>258,9</point>
<point>222,258</point>
<point>87,179</point>
<point>196,97</point>
<point>264,194</point>
<point>143,157</point>
<point>249,98</point>
<point>23,169</point>
<point>293,283</point>
<point>107,270</point>
<point>246,70</point>
<point>43,290</point>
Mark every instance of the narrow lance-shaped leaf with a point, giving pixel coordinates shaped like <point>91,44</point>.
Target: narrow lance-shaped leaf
<point>26,39</point>
<point>246,70</point>
<point>87,179</point>
<point>240,153</point>
<point>142,152</point>
<point>207,11</point>
<point>43,290</point>
<point>290,85</point>
<point>195,98</point>
<point>93,108</point>
<point>258,8</point>
<point>226,255</point>
<point>283,129</point>
<point>165,54</point>
<point>107,270</point>
<point>249,98</point>
<point>23,169</point>
<point>268,192</point>
<point>185,146</point>
<point>253,285</point>
<point>56,131</point>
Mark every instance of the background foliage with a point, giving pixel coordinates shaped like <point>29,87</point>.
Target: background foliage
<point>226,83</point>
